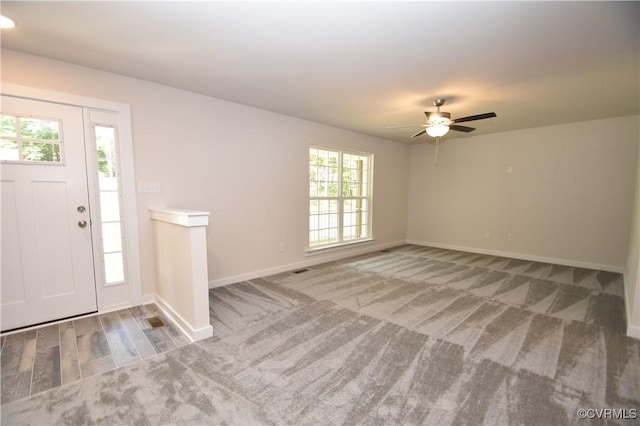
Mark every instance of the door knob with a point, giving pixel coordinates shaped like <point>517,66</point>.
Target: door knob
<point>81,209</point>
<point>82,223</point>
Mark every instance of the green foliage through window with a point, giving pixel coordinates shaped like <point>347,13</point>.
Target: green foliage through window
<point>30,139</point>
<point>106,151</point>
<point>47,152</point>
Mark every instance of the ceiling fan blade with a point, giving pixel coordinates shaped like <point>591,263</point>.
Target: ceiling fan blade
<point>461,128</point>
<point>419,133</point>
<point>475,117</point>
<point>403,127</point>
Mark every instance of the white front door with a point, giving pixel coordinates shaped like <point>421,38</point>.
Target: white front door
<point>46,264</point>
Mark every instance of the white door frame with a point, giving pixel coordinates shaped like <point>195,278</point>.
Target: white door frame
<point>107,300</point>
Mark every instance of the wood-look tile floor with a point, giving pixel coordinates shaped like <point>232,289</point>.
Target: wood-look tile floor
<point>39,359</point>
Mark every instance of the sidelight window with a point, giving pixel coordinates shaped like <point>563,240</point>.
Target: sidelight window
<point>109,197</point>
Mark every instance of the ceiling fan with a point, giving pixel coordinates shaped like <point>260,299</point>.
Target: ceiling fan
<point>440,122</point>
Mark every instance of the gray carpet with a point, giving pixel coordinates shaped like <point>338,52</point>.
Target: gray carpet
<point>412,336</point>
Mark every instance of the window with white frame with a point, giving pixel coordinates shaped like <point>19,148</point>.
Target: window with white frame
<point>339,197</point>
<point>109,200</point>
<point>30,140</point>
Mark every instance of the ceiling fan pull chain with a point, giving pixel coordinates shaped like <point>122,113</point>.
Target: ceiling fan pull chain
<point>437,149</point>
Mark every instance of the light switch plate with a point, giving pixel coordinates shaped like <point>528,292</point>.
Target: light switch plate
<point>149,187</point>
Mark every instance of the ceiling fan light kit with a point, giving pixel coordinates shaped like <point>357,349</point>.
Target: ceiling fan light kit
<point>438,129</point>
<point>6,22</point>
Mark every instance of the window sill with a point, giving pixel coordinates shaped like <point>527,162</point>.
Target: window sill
<point>337,247</point>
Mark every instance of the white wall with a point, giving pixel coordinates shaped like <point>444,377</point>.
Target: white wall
<point>568,198</point>
<point>244,165</point>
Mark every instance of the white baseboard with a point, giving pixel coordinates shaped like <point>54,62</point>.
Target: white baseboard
<point>633,331</point>
<point>521,256</point>
<point>115,307</point>
<point>194,334</point>
<point>315,260</point>
<point>148,298</point>
<point>337,255</point>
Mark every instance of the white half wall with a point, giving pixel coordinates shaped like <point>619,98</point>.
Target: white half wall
<point>560,192</point>
<point>182,289</point>
<point>246,166</point>
<point>632,268</point>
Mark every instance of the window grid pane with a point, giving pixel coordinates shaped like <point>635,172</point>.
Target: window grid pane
<point>355,219</point>
<point>323,222</point>
<point>36,128</point>
<point>8,126</point>
<point>9,150</point>
<point>42,152</point>
<point>114,267</point>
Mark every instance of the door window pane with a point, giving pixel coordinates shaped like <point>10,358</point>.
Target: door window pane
<point>8,125</point>
<point>109,206</point>
<point>44,152</point>
<point>29,139</point>
<point>36,128</point>
<point>111,237</point>
<point>113,268</point>
<point>9,150</point>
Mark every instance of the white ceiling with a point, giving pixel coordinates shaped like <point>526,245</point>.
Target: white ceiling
<point>361,65</point>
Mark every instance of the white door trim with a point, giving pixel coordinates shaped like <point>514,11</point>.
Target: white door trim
<point>127,171</point>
